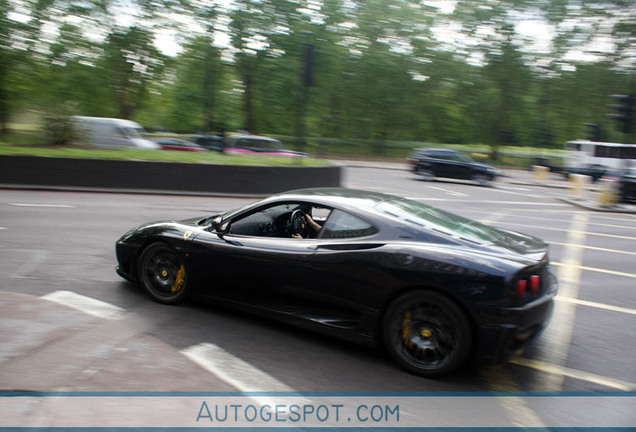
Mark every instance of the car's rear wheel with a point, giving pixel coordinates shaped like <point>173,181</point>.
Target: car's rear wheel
<point>427,333</point>
<point>424,174</point>
<point>163,275</point>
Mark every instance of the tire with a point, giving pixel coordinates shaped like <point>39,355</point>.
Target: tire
<point>427,333</point>
<point>481,179</point>
<point>424,174</point>
<point>163,275</point>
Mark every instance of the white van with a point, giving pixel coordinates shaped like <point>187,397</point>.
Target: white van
<point>113,132</point>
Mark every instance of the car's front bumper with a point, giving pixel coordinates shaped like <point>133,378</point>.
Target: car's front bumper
<point>125,255</point>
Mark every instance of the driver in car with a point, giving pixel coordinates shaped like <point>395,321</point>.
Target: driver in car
<point>309,220</point>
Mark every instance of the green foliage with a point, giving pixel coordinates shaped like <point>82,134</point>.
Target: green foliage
<point>382,73</point>
<point>59,127</point>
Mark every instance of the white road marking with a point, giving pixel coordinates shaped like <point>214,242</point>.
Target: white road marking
<point>558,335</point>
<point>536,204</point>
<point>572,373</point>
<point>525,216</point>
<point>598,270</point>
<point>597,305</point>
<point>237,372</point>
<point>3,228</point>
<point>85,304</point>
<point>504,191</point>
<point>494,217</point>
<point>600,249</point>
<point>41,205</point>
<point>569,231</point>
<point>513,188</point>
<point>450,192</point>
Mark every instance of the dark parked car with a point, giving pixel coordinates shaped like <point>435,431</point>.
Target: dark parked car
<point>246,144</point>
<point>433,288</point>
<point>627,185</point>
<point>210,142</point>
<point>431,163</point>
<point>594,171</point>
<point>178,144</point>
<point>254,144</point>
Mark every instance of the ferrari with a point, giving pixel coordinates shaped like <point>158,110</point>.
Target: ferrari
<point>432,288</point>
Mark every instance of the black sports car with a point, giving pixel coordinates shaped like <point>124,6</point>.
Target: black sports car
<point>432,287</point>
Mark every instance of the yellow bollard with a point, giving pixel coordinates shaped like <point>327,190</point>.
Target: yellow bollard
<point>540,172</point>
<point>578,184</point>
<point>608,194</point>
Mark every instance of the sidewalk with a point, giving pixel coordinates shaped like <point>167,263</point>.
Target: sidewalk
<point>49,347</point>
<point>588,198</point>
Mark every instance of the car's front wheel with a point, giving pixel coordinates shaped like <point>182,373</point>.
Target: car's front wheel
<point>481,179</point>
<point>162,273</point>
<point>427,333</point>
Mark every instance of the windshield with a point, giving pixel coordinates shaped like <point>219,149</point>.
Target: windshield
<point>130,132</point>
<point>438,220</point>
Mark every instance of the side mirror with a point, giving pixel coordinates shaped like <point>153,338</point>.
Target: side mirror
<point>217,226</point>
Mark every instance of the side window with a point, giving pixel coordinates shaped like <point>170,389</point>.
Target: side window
<point>345,225</point>
<point>268,222</point>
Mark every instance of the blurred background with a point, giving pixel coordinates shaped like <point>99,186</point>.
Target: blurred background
<point>375,77</point>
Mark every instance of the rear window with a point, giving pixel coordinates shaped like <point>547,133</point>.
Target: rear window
<point>344,225</point>
<point>431,218</point>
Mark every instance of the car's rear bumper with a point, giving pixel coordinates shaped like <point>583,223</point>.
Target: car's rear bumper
<point>503,332</point>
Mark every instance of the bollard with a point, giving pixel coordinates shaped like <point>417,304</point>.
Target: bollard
<point>540,172</point>
<point>579,184</point>
<point>608,192</point>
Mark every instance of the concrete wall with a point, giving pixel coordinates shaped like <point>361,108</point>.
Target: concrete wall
<point>161,176</point>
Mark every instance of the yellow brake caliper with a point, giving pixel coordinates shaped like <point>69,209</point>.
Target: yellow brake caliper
<point>178,281</point>
<point>406,330</point>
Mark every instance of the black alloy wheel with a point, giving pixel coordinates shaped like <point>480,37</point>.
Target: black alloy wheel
<point>427,333</point>
<point>163,275</point>
<point>481,179</point>
<point>424,174</point>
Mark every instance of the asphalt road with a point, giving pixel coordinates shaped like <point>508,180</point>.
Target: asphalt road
<point>52,241</point>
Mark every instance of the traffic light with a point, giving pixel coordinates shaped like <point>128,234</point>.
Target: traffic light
<point>625,108</point>
<point>593,131</point>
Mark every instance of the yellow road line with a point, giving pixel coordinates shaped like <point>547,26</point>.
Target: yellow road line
<point>499,380</point>
<point>597,270</point>
<point>558,335</point>
<point>597,305</point>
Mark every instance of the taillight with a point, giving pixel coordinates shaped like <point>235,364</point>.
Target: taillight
<point>522,287</point>
<point>532,284</point>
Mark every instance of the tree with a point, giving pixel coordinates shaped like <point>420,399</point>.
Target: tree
<point>131,62</point>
